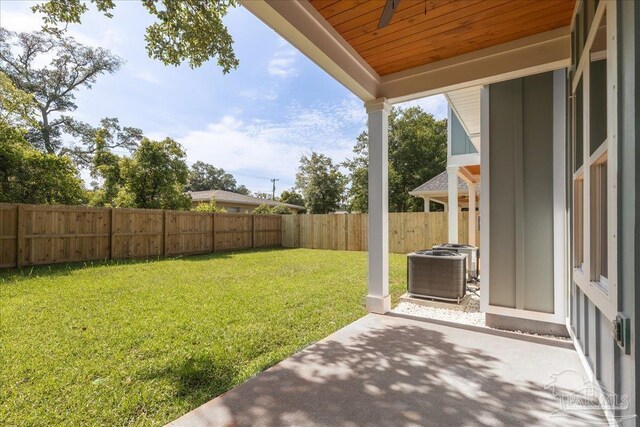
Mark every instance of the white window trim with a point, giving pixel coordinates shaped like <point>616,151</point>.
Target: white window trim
<point>607,303</point>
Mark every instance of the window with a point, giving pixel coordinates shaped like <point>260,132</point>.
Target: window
<point>592,133</point>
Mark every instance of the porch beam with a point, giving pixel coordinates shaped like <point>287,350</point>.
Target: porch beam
<point>535,54</point>
<point>378,299</point>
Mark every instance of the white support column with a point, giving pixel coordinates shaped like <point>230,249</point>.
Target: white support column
<point>472,213</point>
<point>378,299</point>
<point>452,172</point>
<point>427,202</point>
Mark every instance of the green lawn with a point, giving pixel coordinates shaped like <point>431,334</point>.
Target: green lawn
<point>143,342</point>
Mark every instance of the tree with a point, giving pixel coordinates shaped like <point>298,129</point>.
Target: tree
<point>185,30</point>
<point>241,189</point>
<point>97,141</point>
<point>358,192</point>
<point>29,176</point>
<point>321,183</point>
<point>154,177</point>
<point>17,108</point>
<point>292,197</point>
<point>204,177</point>
<point>417,153</point>
<point>53,86</point>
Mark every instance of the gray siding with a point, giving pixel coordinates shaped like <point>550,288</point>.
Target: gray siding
<point>460,142</point>
<point>521,193</point>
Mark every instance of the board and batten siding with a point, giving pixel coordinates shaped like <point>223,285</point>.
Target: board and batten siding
<point>523,125</point>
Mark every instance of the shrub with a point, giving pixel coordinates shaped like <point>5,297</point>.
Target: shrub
<point>209,207</point>
<point>272,210</point>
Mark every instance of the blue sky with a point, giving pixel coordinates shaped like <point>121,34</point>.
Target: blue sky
<point>254,122</point>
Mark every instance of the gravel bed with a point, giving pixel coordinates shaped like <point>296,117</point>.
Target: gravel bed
<point>471,315</point>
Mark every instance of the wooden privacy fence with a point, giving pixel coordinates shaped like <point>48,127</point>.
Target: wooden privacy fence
<point>41,234</point>
<point>408,231</point>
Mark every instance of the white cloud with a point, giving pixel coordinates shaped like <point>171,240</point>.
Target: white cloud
<point>27,21</point>
<point>282,64</point>
<point>259,95</point>
<point>267,148</point>
<point>436,105</point>
<point>146,76</point>
<point>14,21</point>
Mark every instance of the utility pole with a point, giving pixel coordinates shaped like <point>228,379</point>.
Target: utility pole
<point>273,193</point>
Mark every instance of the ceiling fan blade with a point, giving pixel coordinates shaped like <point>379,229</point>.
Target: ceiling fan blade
<point>387,13</point>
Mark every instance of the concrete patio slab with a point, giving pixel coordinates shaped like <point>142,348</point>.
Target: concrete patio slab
<point>397,371</point>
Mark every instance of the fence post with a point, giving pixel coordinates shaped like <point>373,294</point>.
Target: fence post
<point>112,243</point>
<point>213,232</point>
<point>165,233</point>
<point>20,229</point>
<point>111,233</point>
<point>253,230</point>
<point>346,232</point>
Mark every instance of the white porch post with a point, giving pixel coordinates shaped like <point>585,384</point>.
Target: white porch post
<point>472,213</point>
<point>452,173</point>
<point>427,202</point>
<point>378,299</point>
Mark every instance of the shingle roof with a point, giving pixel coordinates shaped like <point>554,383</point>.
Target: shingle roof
<point>439,183</point>
<point>231,197</point>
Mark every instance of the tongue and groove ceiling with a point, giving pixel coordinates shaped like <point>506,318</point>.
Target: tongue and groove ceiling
<point>448,28</point>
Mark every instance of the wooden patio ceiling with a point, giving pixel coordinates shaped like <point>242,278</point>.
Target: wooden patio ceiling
<point>448,28</point>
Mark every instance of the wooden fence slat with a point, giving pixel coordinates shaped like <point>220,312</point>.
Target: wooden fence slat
<point>408,231</point>
<point>37,235</point>
<point>20,231</point>
<point>50,234</point>
<point>165,232</point>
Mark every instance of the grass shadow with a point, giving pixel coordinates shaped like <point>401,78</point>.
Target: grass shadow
<point>61,269</point>
<point>196,379</point>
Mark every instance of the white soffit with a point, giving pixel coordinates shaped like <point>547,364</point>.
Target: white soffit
<point>466,104</point>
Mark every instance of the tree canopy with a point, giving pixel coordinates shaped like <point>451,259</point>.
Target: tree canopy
<point>204,177</point>
<point>417,153</point>
<point>185,30</point>
<point>53,86</point>
<point>155,176</point>
<point>292,197</point>
<point>272,210</point>
<point>29,176</point>
<point>321,183</point>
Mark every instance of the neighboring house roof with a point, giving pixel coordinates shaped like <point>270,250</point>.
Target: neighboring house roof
<point>438,184</point>
<point>223,196</point>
